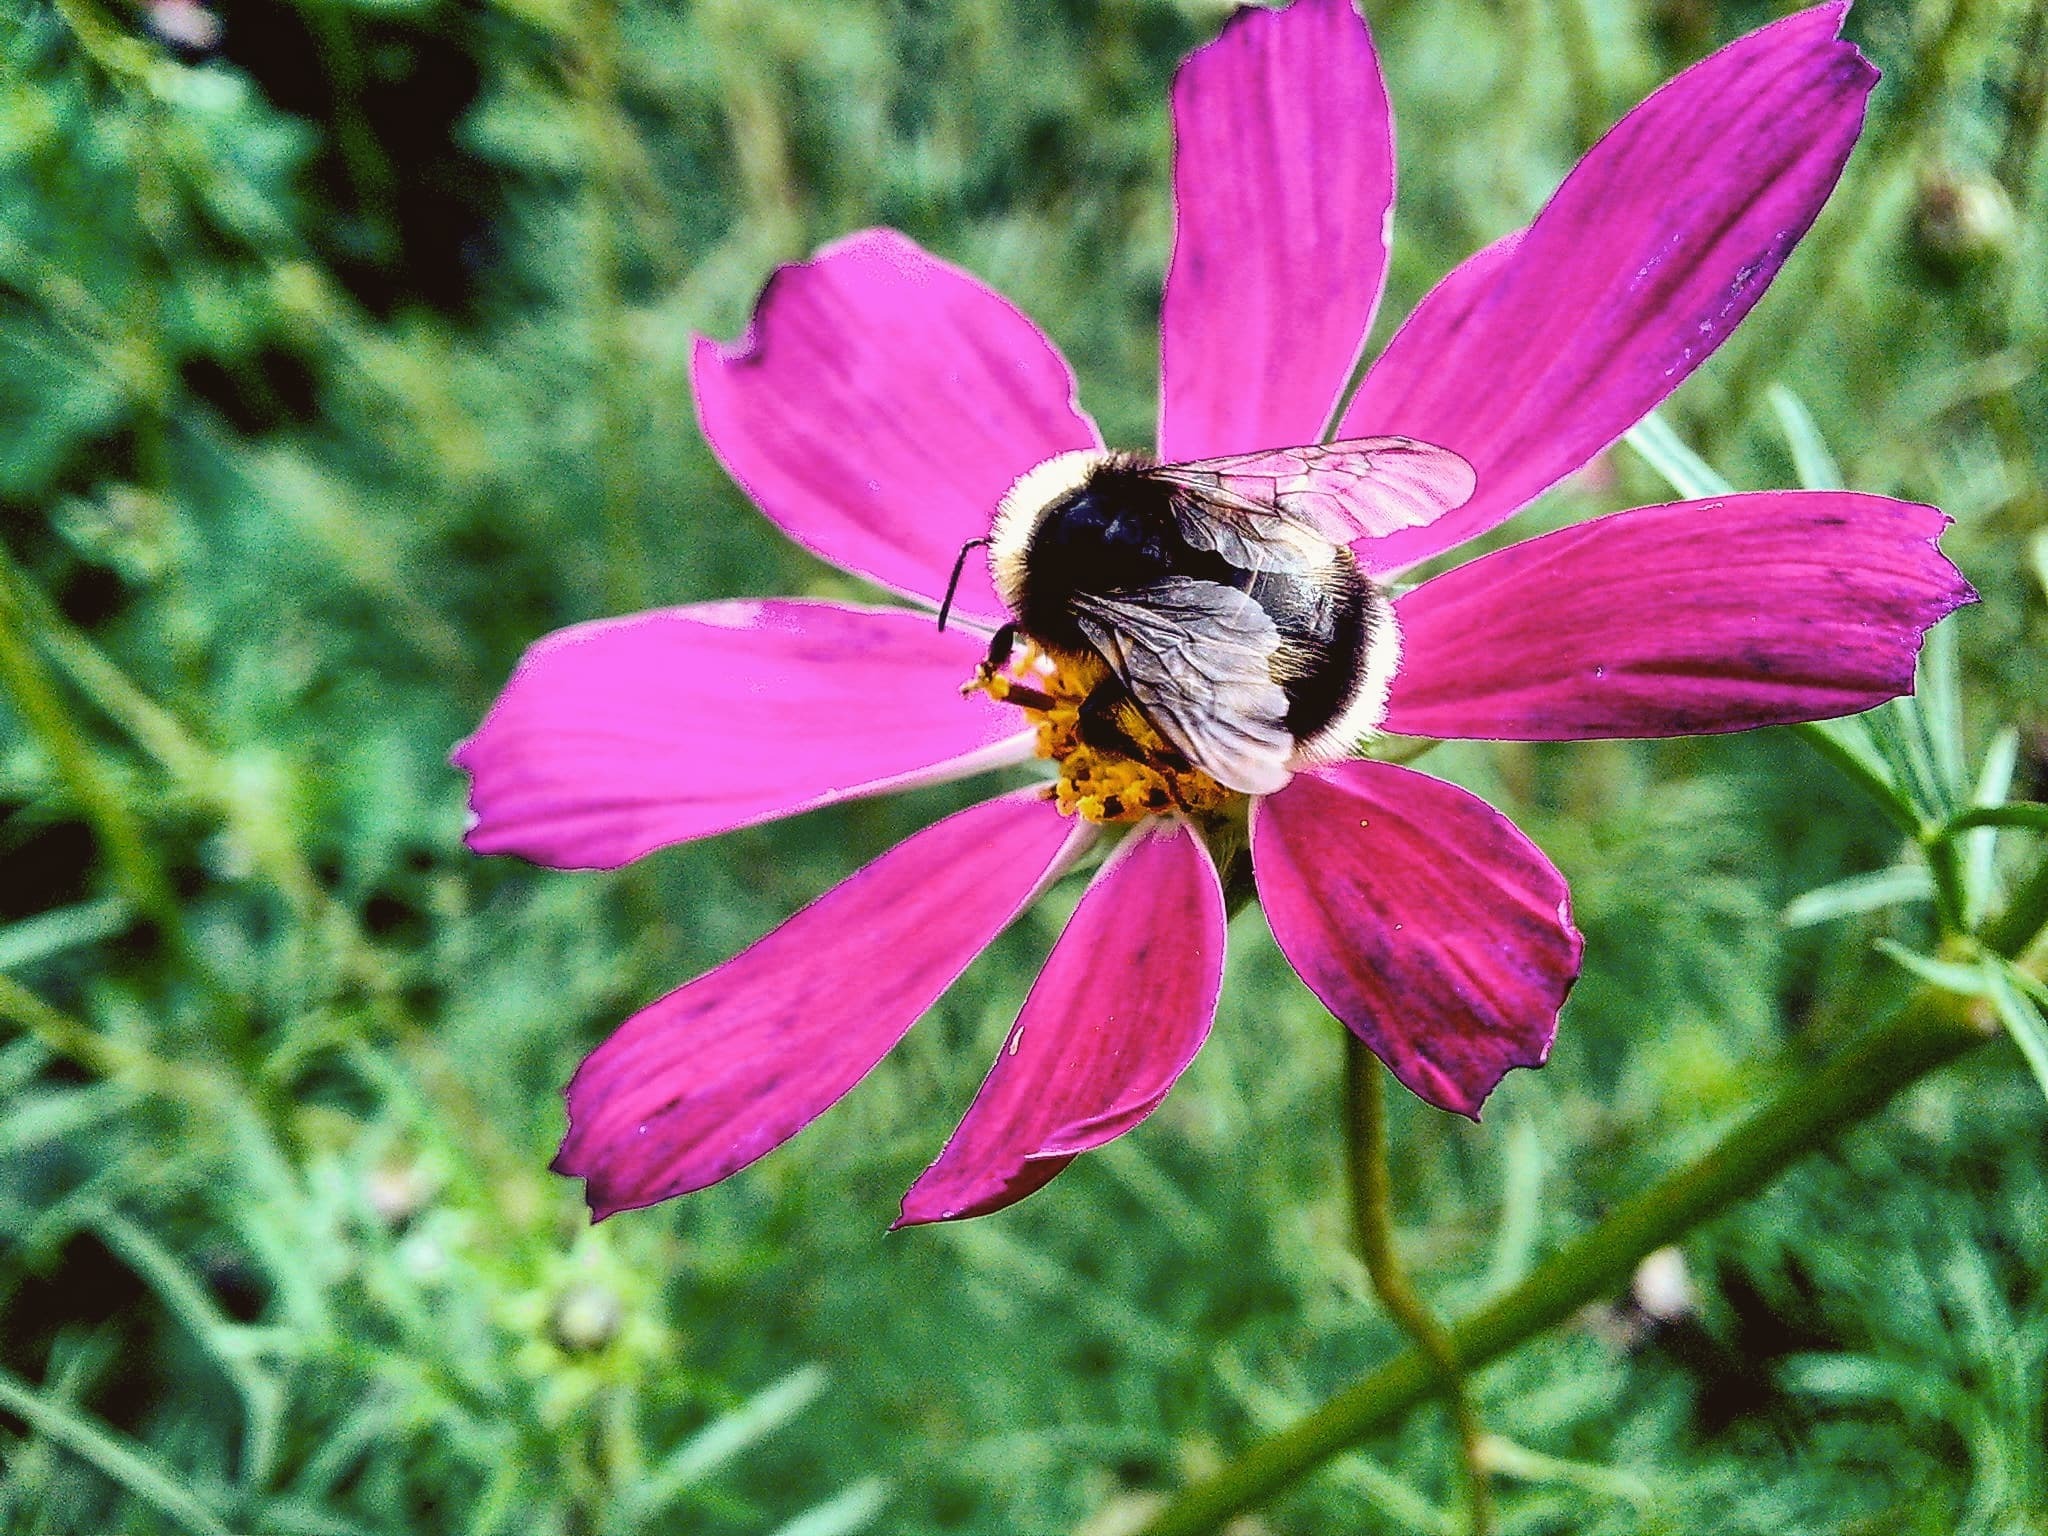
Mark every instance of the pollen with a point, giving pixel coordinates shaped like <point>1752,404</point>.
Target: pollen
<point>1097,783</point>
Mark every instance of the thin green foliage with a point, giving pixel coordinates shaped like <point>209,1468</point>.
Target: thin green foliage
<point>2019,1010</point>
<point>109,1454</point>
<point>1881,888</point>
<point>345,355</point>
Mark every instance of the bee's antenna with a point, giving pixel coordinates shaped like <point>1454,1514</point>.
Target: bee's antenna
<point>953,586</point>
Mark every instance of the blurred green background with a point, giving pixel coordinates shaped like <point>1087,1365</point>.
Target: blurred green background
<point>343,353</point>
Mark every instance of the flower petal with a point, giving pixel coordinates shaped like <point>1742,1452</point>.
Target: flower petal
<point>1283,182</point>
<point>879,406</point>
<point>1422,918</point>
<point>1659,241</point>
<point>1678,620</point>
<point>727,1068</point>
<point>619,737</point>
<point>1123,1004</point>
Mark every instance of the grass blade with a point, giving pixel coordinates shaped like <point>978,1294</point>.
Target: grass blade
<point>853,1510</point>
<point>1813,463</point>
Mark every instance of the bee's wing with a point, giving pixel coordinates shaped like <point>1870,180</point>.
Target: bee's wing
<point>1197,656</point>
<point>1362,488</point>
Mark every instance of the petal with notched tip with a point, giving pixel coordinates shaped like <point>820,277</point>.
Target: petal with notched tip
<point>1123,1004</point>
<point>1422,918</point>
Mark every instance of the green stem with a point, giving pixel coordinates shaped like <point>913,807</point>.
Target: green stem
<point>121,1461</point>
<point>1945,865</point>
<point>1932,1029</point>
<point>2030,814</point>
<point>369,172</point>
<point>104,685</point>
<point>137,870</point>
<point>1372,1214</point>
<point>192,766</point>
<point>124,58</point>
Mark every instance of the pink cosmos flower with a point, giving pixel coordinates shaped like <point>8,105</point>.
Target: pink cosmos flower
<point>882,402</point>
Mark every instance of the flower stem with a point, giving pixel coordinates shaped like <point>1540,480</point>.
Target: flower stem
<point>1372,1214</point>
<point>1931,1029</point>
<point>1945,866</point>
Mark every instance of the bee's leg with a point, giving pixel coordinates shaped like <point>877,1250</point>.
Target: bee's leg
<point>1000,644</point>
<point>1099,727</point>
<point>989,678</point>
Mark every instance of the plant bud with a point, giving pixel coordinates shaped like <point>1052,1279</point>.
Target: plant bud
<point>585,1317</point>
<point>1961,219</point>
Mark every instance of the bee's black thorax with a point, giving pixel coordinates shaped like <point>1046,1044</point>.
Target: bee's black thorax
<point>1115,533</point>
<point>1118,532</point>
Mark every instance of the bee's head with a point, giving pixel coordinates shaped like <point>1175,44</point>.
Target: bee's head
<point>1037,492</point>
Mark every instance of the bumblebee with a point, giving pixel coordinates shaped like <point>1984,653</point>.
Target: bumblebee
<point>1221,596</point>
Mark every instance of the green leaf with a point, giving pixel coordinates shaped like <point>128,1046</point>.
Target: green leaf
<point>1938,712</point>
<point>1980,847</point>
<point>185,1296</point>
<point>2032,986</point>
<point>1665,452</point>
<point>1812,461</point>
<point>2020,1013</point>
<point>1966,980</point>
<point>1873,892</point>
<point>2029,814</point>
<point>1508,1459</point>
<point>1901,737</point>
<point>1850,746</point>
<point>2001,759</point>
<point>1521,1206</point>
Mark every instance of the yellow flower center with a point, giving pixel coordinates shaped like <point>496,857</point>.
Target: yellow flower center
<point>1097,783</point>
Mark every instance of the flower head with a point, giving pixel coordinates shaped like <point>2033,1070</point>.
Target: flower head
<point>881,405</point>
